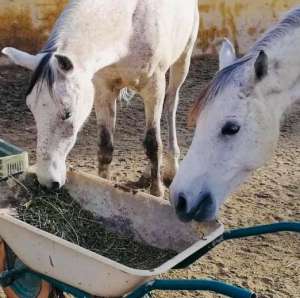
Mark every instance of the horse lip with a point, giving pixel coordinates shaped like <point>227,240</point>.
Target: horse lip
<point>203,209</point>
<point>209,216</point>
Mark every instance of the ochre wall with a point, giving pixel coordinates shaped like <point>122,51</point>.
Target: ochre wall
<point>26,23</point>
<point>243,21</point>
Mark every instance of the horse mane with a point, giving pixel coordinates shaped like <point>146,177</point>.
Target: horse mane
<point>198,105</point>
<point>216,86</point>
<point>228,74</point>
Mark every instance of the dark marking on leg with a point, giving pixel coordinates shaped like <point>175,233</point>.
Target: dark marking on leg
<point>167,181</point>
<point>105,147</point>
<point>153,148</point>
<point>151,145</point>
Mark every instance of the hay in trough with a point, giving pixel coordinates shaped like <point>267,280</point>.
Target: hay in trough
<point>60,215</point>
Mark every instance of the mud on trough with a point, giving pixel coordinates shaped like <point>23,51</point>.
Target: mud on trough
<point>267,264</point>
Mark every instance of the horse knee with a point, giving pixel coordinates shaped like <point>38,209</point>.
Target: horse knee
<point>106,148</point>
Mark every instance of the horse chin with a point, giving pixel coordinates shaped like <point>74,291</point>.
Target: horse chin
<point>205,216</point>
<point>53,185</point>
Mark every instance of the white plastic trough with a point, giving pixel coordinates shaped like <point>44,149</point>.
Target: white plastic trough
<point>147,218</point>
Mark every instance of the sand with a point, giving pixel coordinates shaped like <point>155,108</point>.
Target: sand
<point>268,264</point>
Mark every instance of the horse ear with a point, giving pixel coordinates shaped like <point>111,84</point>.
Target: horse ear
<point>22,58</point>
<point>261,65</point>
<point>227,54</point>
<point>64,63</point>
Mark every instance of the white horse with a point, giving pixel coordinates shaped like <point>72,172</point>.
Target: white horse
<point>116,44</point>
<point>238,119</point>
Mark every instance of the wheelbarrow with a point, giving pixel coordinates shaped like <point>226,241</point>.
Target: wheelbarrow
<point>82,273</point>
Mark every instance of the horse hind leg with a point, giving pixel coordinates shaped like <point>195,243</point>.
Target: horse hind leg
<point>178,74</point>
<point>105,107</point>
<point>153,95</point>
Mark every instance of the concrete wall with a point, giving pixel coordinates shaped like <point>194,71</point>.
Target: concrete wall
<point>26,23</point>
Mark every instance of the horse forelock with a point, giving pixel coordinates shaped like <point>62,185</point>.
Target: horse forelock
<point>43,73</point>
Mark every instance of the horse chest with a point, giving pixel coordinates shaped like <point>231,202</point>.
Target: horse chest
<point>119,77</point>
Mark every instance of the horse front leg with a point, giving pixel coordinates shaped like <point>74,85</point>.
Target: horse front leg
<point>153,95</point>
<point>105,107</point>
<point>178,74</point>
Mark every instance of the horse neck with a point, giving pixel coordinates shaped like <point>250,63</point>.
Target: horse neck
<point>91,60</point>
<point>281,88</point>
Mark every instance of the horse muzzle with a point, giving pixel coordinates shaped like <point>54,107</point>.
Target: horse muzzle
<point>205,208</point>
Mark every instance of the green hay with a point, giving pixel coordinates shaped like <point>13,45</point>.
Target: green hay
<point>58,214</point>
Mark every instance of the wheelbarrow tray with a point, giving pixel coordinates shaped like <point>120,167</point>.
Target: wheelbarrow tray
<point>145,217</point>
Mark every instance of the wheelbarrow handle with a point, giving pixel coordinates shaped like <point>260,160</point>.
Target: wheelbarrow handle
<point>218,287</point>
<point>261,230</point>
<point>240,233</point>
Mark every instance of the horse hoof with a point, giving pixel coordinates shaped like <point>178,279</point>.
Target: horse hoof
<point>144,182</point>
<point>104,174</point>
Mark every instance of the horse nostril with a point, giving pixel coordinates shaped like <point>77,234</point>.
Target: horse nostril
<point>206,199</point>
<point>181,204</point>
<point>55,185</point>
<point>206,208</point>
<point>182,209</point>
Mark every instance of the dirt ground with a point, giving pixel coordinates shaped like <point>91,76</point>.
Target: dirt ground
<point>269,265</point>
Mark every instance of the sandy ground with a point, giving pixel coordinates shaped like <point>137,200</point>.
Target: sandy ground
<point>270,265</point>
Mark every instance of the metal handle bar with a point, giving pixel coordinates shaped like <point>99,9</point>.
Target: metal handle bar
<point>262,229</point>
<point>192,285</point>
<point>240,233</point>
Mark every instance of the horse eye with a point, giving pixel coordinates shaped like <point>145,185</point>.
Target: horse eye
<point>67,116</point>
<point>230,128</point>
